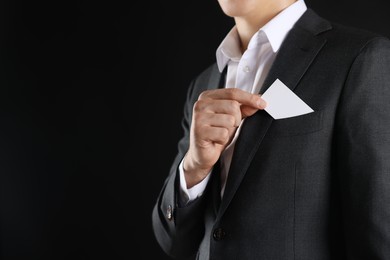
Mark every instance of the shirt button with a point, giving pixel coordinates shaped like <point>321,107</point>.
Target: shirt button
<point>169,212</point>
<point>246,69</point>
<point>219,234</point>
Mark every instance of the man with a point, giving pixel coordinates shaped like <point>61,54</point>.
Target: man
<point>246,185</point>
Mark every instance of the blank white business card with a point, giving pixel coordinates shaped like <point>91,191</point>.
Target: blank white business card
<point>282,102</point>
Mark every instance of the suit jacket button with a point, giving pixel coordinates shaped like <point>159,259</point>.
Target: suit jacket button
<point>169,213</point>
<point>219,234</point>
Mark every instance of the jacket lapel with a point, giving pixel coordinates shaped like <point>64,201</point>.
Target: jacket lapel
<point>295,56</point>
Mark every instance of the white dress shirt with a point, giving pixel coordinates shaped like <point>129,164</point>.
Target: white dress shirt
<point>246,71</point>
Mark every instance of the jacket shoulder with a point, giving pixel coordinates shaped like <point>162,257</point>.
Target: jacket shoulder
<point>341,35</point>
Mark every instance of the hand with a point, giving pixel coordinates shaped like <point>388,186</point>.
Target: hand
<point>216,117</point>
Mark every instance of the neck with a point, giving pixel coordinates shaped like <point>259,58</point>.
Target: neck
<point>249,24</point>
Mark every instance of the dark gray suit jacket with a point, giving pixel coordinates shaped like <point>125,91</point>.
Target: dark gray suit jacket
<point>310,187</point>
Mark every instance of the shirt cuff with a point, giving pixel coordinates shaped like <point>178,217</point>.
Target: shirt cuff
<point>188,195</point>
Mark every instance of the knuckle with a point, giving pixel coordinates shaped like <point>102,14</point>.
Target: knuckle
<point>232,120</point>
<point>236,104</point>
<point>204,94</point>
<point>225,134</point>
<point>198,105</point>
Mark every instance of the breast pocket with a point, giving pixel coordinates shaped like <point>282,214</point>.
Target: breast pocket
<point>298,125</point>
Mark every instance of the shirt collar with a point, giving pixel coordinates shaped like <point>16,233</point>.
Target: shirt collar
<point>274,31</point>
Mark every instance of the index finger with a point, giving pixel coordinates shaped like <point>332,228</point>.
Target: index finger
<point>239,95</point>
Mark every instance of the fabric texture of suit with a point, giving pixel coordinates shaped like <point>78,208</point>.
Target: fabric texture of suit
<point>310,187</point>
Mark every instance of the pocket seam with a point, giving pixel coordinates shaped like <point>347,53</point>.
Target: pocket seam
<point>317,127</point>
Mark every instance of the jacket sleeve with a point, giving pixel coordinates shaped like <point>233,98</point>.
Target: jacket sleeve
<point>179,230</point>
<point>363,153</point>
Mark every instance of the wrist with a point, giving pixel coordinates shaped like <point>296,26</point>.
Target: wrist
<point>193,174</point>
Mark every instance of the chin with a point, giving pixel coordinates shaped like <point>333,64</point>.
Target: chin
<point>235,8</point>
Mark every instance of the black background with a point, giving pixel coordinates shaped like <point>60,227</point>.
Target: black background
<point>91,95</point>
